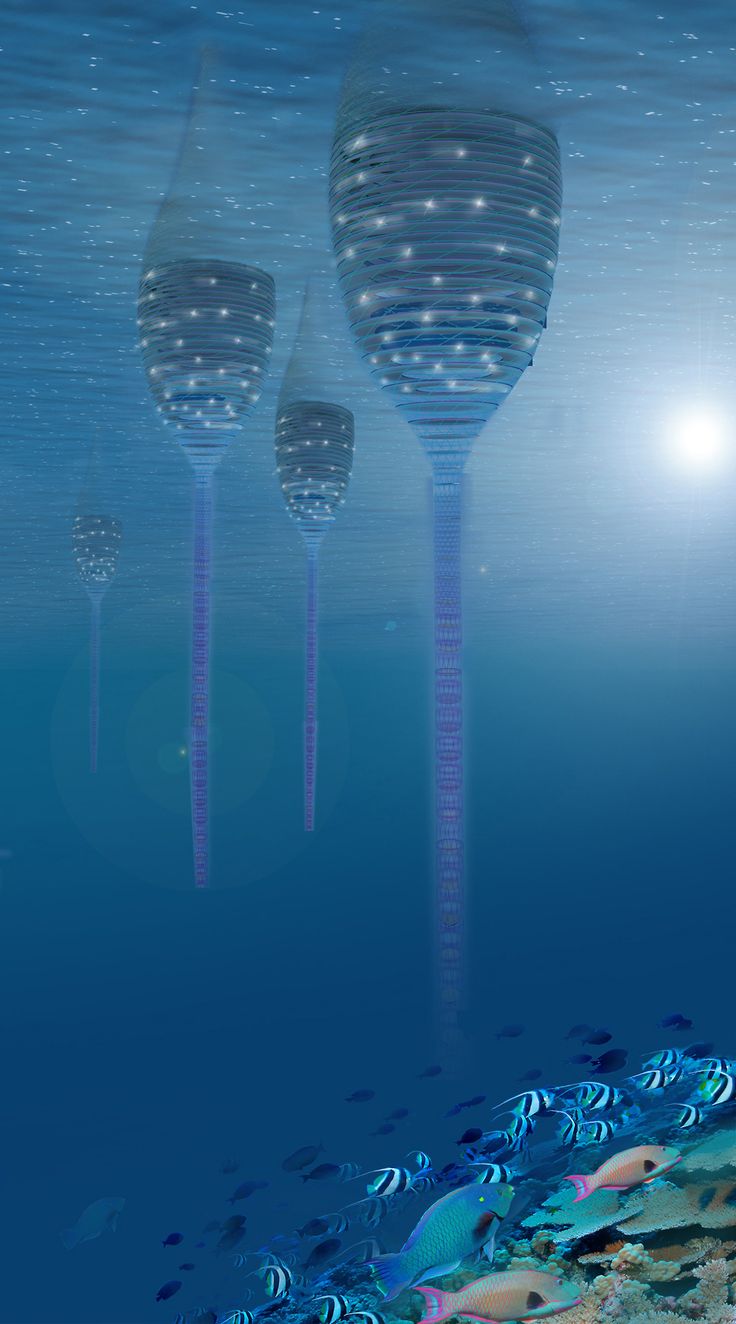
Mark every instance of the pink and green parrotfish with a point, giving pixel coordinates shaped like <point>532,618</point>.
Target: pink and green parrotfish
<point>631,1167</point>
<point>517,1294</point>
<point>457,1225</point>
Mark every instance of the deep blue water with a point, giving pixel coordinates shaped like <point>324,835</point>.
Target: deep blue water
<point>149,1032</point>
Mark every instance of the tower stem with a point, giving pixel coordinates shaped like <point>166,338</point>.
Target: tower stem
<point>448,694</point>
<point>199,737</point>
<point>94,679</point>
<point>310,686</point>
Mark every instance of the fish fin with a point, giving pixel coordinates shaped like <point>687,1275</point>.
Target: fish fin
<point>389,1273</point>
<point>437,1271</point>
<point>619,1188</point>
<point>437,1304</point>
<point>489,1249</point>
<point>582,1185</point>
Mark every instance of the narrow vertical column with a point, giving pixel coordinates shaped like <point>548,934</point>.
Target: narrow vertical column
<point>94,678</point>
<point>310,686</point>
<point>448,693</point>
<point>199,736</point>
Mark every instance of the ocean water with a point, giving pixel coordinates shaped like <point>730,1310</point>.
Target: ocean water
<point>151,1031</point>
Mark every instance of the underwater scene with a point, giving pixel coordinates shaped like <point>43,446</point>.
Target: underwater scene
<point>368,637</point>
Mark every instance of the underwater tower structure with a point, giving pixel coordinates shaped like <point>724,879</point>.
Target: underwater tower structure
<point>315,439</point>
<point>445,223</point>
<point>206,324</point>
<point>96,543</point>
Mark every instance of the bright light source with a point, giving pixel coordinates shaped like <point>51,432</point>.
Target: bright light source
<point>698,440</point>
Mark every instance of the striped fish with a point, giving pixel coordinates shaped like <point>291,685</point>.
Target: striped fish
<point>531,1103</point>
<point>594,1096</point>
<point>657,1079</point>
<point>348,1171</point>
<point>718,1089</point>
<point>715,1066</point>
<point>424,1181</point>
<point>277,1280</point>
<point>236,1317</point>
<point>337,1223</point>
<point>363,1251</point>
<point>520,1127</point>
<point>488,1173</point>
<point>390,1181</point>
<point>666,1057</point>
<point>373,1212</point>
<point>689,1115</point>
<point>571,1129</point>
<point>595,1133</point>
<point>422,1161</point>
<point>333,1308</point>
<point>369,1316</point>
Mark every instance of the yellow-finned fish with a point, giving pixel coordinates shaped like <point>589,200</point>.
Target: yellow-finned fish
<point>631,1167</point>
<point>517,1294</point>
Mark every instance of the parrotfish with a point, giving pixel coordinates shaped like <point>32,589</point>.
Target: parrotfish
<point>101,1216</point>
<point>518,1294</point>
<point>460,1223</point>
<point>631,1167</point>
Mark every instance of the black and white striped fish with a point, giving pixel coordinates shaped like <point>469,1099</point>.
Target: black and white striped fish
<point>364,1251</point>
<point>333,1308</point>
<point>369,1316</point>
<point>718,1089</point>
<point>390,1181</point>
<point>488,1173</point>
<point>372,1212</point>
<point>595,1133</point>
<point>593,1096</point>
<point>348,1171</point>
<point>277,1280</point>
<point>422,1161</point>
<point>570,1131</point>
<point>689,1115</point>
<point>424,1181</point>
<point>531,1103</point>
<point>236,1317</point>
<point>666,1057</point>
<point>657,1079</point>
<point>715,1066</point>
<point>336,1223</point>
<point>519,1131</point>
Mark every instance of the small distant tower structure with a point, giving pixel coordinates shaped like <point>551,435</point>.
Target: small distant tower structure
<point>96,541</point>
<point>315,443</point>
<point>206,324</point>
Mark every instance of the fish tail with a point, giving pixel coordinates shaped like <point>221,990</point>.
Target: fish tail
<point>440,1305</point>
<point>389,1273</point>
<point>582,1184</point>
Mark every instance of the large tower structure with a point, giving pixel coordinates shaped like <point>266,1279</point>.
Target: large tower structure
<point>445,221</point>
<point>315,438</point>
<point>96,540</point>
<point>206,328</point>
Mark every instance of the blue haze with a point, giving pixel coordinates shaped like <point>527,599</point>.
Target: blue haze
<point>148,1033</point>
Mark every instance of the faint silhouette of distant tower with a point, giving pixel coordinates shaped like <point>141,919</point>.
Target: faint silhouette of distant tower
<point>315,437</point>
<point>206,327</point>
<point>445,204</point>
<point>96,539</point>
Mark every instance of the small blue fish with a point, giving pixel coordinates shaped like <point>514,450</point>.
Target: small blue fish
<point>173,1239</point>
<point>361,1096</point>
<point>169,1289</point>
